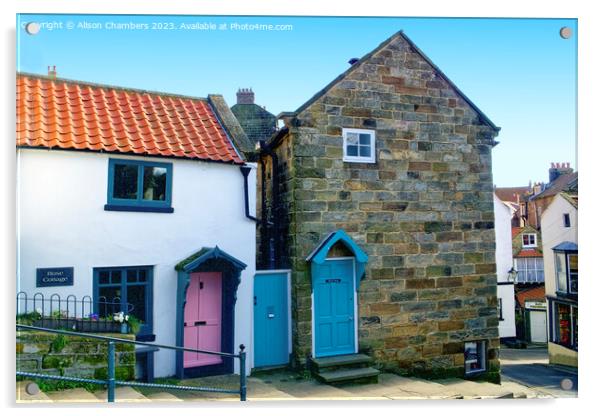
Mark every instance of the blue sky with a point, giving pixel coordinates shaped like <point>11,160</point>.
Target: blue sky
<point>519,72</point>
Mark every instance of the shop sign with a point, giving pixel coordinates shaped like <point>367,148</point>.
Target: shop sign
<point>535,305</point>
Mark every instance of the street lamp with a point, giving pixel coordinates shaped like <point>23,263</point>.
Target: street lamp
<point>512,273</point>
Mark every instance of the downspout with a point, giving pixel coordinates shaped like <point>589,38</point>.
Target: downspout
<point>245,173</point>
<point>264,217</point>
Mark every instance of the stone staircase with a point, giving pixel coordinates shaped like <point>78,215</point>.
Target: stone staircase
<point>287,386</point>
<point>350,368</point>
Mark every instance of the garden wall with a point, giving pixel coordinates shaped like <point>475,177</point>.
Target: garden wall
<point>73,356</point>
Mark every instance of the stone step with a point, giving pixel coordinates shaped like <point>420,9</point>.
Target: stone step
<point>476,390</point>
<point>23,395</point>
<point>352,375</point>
<point>338,361</point>
<point>410,387</point>
<point>523,392</point>
<point>124,394</point>
<point>162,396</point>
<point>78,395</point>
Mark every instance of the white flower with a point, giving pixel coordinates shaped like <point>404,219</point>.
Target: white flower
<point>39,311</point>
<point>127,317</point>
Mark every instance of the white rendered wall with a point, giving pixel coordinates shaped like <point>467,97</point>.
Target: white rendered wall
<point>503,238</point>
<point>503,259</point>
<point>62,223</point>
<point>553,232</point>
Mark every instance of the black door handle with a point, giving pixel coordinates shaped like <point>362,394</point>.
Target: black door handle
<point>200,323</point>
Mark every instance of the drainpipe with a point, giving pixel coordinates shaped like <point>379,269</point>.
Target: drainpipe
<point>245,173</point>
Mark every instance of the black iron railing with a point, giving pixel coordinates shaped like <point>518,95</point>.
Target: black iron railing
<point>111,382</point>
<point>82,315</point>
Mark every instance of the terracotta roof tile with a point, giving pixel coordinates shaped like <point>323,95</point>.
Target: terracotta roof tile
<point>72,115</point>
<point>537,293</point>
<point>529,253</point>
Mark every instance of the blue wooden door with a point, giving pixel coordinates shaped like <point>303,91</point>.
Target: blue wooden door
<point>334,312</point>
<point>270,339</point>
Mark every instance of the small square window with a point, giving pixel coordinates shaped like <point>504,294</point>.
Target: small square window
<point>567,220</point>
<point>136,185</point>
<point>359,146</point>
<point>474,357</point>
<point>529,240</point>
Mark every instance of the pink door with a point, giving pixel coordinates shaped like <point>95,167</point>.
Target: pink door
<point>203,319</point>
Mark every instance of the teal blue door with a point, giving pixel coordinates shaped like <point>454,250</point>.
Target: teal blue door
<point>270,317</point>
<point>334,312</point>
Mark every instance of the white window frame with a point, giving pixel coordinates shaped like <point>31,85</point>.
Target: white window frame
<point>534,240</point>
<point>480,358</point>
<point>360,159</point>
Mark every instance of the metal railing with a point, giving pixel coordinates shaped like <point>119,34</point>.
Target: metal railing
<point>69,306</point>
<point>111,382</point>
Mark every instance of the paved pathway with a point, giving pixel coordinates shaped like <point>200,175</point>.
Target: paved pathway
<point>289,386</point>
<point>530,367</point>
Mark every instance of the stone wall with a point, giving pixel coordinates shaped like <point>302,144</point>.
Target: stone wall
<point>72,356</point>
<point>423,213</point>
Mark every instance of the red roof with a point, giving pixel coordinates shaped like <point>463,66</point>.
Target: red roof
<point>528,252</point>
<point>516,231</point>
<point>75,115</point>
<point>537,293</point>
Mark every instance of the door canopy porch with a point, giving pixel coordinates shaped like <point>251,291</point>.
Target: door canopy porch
<point>320,255</point>
<point>209,260</point>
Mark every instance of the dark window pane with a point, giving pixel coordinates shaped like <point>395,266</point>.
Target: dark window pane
<point>125,181</point>
<point>116,276</point>
<point>154,183</point>
<point>364,139</point>
<point>364,151</point>
<point>142,275</point>
<point>137,298</point>
<point>103,277</point>
<point>109,301</point>
<point>131,276</point>
<point>573,272</point>
<point>351,150</point>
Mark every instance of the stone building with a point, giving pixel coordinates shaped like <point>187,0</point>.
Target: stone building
<point>377,193</point>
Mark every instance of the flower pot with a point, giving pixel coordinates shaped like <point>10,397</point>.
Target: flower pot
<point>124,328</point>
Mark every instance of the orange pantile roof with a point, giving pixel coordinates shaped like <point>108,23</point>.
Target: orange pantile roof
<point>76,115</point>
<point>516,231</point>
<point>529,253</point>
<point>537,293</point>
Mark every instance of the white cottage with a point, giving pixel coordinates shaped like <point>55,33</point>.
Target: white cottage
<point>503,213</point>
<point>138,199</point>
<point>560,253</point>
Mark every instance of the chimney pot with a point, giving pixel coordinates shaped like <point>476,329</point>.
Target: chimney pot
<point>245,96</point>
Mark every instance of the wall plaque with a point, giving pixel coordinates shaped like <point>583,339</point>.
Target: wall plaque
<point>55,276</point>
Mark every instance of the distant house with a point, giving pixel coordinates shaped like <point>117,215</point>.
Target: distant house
<point>561,178</point>
<point>559,232</point>
<point>528,256</point>
<point>514,196</point>
<point>504,213</point>
<point>258,123</point>
<point>136,199</point>
<point>377,193</point>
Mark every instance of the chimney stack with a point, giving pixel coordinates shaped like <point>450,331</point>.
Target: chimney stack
<point>52,72</point>
<point>245,96</point>
<point>559,169</point>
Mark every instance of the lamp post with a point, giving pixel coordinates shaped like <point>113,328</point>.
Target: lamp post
<point>512,273</point>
